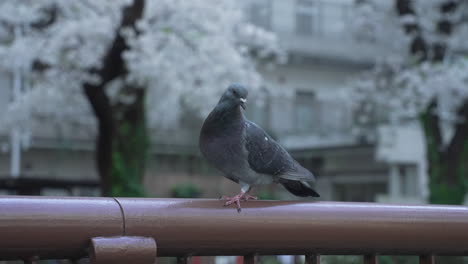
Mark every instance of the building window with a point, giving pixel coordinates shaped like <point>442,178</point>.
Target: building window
<point>260,111</point>
<point>306,17</point>
<point>304,24</point>
<point>321,17</point>
<point>321,116</point>
<point>304,111</point>
<point>335,18</point>
<point>260,13</point>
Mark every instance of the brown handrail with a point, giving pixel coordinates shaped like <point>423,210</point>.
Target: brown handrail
<point>62,227</point>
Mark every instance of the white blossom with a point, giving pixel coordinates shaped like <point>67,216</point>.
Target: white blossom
<point>398,89</point>
<point>185,55</point>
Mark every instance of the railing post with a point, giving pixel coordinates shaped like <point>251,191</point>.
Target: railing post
<point>427,259</point>
<point>312,259</point>
<point>31,260</point>
<point>250,259</point>
<point>81,261</point>
<point>371,259</point>
<point>184,260</point>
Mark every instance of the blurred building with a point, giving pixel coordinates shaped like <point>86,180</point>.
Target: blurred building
<point>304,110</point>
<point>315,122</point>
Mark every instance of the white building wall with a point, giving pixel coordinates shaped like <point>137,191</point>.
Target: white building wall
<point>327,82</point>
<point>404,145</point>
<point>5,91</point>
<point>282,19</point>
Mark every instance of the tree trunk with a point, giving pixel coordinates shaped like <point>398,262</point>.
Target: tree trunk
<point>448,172</point>
<point>447,169</point>
<point>129,149</point>
<point>121,144</point>
<point>447,166</point>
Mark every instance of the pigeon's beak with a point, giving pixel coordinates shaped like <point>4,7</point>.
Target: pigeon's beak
<point>243,101</point>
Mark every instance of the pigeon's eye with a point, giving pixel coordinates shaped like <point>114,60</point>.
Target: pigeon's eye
<point>234,92</point>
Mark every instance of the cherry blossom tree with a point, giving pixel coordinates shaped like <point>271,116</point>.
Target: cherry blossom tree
<point>124,67</point>
<point>423,76</point>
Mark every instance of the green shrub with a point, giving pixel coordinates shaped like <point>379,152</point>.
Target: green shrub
<point>185,190</point>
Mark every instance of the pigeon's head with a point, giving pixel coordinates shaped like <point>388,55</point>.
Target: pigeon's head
<point>236,94</point>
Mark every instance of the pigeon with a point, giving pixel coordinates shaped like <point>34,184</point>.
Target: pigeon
<point>245,153</point>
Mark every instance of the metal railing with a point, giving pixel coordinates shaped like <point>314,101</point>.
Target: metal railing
<point>137,230</point>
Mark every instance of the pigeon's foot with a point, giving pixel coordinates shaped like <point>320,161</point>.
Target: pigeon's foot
<point>236,199</point>
<point>247,197</point>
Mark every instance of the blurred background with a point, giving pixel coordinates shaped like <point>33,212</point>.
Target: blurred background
<point>107,98</point>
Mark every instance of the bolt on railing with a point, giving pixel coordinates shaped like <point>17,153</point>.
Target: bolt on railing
<point>114,230</point>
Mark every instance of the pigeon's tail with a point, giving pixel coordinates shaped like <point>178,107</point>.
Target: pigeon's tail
<point>299,188</point>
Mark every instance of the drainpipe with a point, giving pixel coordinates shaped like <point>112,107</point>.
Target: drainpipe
<point>15,135</point>
<point>394,183</point>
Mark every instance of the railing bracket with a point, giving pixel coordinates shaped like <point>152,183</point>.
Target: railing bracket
<point>123,249</point>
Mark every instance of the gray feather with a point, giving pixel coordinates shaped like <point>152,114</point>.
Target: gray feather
<point>266,156</point>
<point>244,152</point>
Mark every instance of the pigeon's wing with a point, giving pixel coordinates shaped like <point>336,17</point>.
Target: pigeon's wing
<point>266,156</point>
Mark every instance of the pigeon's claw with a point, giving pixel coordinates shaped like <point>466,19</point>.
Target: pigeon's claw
<point>247,197</point>
<point>235,199</point>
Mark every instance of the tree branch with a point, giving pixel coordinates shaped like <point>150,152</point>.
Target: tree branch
<point>113,66</point>
<point>444,29</point>
<point>50,18</point>
<point>433,125</point>
<point>454,151</point>
<point>418,46</point>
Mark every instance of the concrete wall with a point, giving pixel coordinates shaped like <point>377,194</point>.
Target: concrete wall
<point>54,164</point>
<point>403,147</point>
